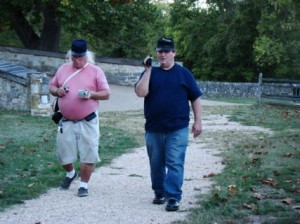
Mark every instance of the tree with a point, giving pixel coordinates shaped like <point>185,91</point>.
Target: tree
<point>25,17</point>
<point>277,48</point>
<point>119,28</point>
<point>234,40</point>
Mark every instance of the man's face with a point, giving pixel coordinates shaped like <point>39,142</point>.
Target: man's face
<point>79,62</point>
<point>166,58</point>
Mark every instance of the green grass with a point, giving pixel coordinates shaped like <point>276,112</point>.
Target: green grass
<point>234,100</point>
<point>260,166</point>
<point>28,163</point>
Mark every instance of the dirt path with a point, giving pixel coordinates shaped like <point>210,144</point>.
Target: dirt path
<point>121,192</point>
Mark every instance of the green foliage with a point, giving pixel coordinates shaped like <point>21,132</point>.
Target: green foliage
<point>113,28</point>
<point>235,40</point>
<point>224,41</point>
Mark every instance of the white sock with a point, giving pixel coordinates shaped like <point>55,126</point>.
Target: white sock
<point>70,174</point>
<point>83,184</point>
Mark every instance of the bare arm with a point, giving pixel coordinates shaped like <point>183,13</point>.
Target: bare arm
<point>55,91</point>
<point>142,86</point>
<point>100,95</point>
<point>197,110</point>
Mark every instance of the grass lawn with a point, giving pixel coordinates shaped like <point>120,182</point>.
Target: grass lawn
<point>260,181</point>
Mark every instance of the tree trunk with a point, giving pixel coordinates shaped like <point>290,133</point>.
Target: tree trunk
<point>51,28</point>
<point>49,40</point>
<point>24,30</point>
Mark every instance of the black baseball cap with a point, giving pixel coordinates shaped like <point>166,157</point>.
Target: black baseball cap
<point>79,48</point>
<point>165,44</point>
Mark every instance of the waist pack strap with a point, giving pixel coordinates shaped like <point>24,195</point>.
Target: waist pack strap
<point>89,117</point>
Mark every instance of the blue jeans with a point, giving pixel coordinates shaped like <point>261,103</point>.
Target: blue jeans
<point>166,153</point>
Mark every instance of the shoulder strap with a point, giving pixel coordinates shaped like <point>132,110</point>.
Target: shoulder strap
<point>75,73</point>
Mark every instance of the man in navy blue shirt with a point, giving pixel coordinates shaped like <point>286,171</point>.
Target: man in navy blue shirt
<point>168,89</point>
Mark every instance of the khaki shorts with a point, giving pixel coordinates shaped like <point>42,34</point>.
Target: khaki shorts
<point>78,138</point>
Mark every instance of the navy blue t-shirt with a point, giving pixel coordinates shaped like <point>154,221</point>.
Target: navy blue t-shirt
<point>166,107</point>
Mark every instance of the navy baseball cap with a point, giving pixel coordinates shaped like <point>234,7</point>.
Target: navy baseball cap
<point>165,44</point>
<point>79,48</point>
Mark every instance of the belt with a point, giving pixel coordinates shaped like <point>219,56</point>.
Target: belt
<point>87,118</point>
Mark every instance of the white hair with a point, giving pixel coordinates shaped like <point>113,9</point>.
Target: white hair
<point>90,56</point>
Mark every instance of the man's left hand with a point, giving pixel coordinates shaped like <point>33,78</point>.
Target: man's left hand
<point>196,129</point>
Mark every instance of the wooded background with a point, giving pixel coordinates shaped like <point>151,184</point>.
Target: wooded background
<point>227,40</point>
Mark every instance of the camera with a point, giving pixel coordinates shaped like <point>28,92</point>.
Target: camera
<point>66,88</point>
<point>83,93</point>
<point>149,61</point>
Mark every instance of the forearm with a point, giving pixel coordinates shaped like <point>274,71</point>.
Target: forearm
<point>197,110</point>
<point>142,86</point>
<point>53,90</point>
<point>100,95</point>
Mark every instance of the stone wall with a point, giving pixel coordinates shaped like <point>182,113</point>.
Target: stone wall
<point>228,89</point>
<point>118,71</point>
<point>14,95</point>
<point>24,89</point>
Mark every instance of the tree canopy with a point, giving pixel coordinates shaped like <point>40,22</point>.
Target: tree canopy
<point>237,39</point>
<point>228,40</point>
<point>117,28</point>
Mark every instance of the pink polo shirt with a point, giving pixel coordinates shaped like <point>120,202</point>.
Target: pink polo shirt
<point>90,78</point>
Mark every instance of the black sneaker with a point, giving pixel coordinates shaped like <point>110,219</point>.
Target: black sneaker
<point>82,192</point>
<point>172,205</point>
<point>67,182</point>
<point>159,200</point>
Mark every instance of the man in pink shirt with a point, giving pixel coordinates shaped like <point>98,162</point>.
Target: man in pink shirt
<point>79,85</point>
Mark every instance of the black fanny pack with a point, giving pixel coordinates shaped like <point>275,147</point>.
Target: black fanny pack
<point>56,117</point>
<point>90,116</point>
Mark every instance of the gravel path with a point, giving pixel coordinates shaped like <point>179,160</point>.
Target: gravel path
<point>121,192</point>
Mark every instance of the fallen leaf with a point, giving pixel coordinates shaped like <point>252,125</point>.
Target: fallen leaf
<point>251,189</point>
<point>296,207</point>
<point>209,175</point>
<point>287,201</point>
<point>2,147</point>
<point>261,153</point>
<point>288,155</point>
<point>30,185</point>
<point>287,181</point>
<point>255,160</point>
<point>217,188</point>
<point>251,206</point>
<point>231,189</point>
<point>259,196</point>
<point>270,181</point>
